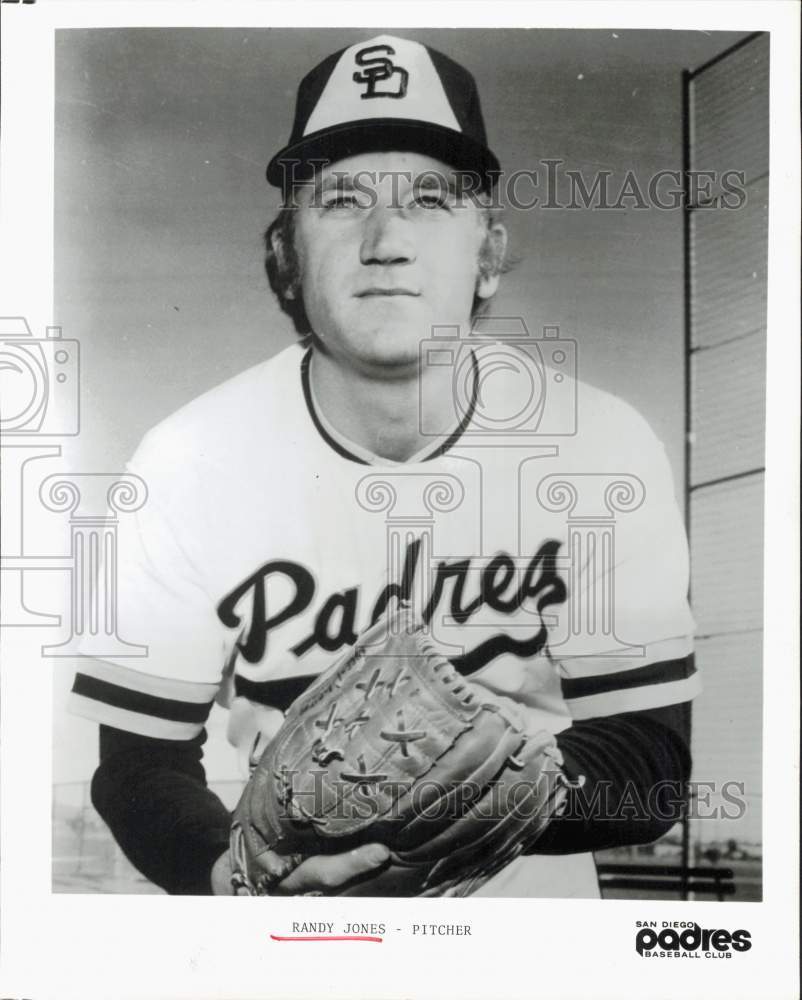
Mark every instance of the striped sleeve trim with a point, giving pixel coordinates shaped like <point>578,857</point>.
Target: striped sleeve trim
<point>161,687</point>
<point>608,692</point>
<point>662,672</point>
<point>618,661</point>
<point>132,722</point>
<point>141,703</point>
<point>635,699</point>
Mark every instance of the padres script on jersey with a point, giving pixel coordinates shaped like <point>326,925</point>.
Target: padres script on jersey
<point>548,561</point>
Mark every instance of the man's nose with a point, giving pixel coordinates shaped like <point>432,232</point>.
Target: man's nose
<point>387,238</point>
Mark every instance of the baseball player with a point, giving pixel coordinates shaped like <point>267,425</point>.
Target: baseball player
<point>406,449</point>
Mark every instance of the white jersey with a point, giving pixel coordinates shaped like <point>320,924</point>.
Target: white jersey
<point>549,564</point>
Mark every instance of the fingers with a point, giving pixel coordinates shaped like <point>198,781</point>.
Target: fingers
<point>221,876</point>
<point>326,873</point>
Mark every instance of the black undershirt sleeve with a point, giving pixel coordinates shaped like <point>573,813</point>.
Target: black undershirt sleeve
<point>633,768</point>
<point>153,796</point>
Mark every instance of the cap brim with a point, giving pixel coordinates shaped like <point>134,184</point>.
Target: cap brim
<point>294,162</point>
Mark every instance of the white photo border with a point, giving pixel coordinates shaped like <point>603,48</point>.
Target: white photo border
<point>117,947</point>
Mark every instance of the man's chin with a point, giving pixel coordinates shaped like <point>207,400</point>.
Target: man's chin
<point>391,349</point>
<point>391,361</point>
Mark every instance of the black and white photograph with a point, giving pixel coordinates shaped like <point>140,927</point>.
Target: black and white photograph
<point>366,457</point>
<point>387,499</point>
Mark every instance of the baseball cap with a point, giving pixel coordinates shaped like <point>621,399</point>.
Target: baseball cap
<point>387,93</point>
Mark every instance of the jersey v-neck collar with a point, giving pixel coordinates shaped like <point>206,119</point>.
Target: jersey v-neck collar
<point>356,453</point>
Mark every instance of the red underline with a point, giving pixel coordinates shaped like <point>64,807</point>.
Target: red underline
<point>343,937</point>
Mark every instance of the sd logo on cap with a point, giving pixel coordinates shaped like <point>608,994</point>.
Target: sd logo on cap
<point>386,94</point>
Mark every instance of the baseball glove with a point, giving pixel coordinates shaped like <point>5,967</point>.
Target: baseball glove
<point>392,745</point>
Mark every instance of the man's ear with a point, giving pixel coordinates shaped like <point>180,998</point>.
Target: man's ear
<point>491,260</point>
<point>284,260</point>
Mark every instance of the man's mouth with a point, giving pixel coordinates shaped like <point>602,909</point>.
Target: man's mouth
<point>386,292</point>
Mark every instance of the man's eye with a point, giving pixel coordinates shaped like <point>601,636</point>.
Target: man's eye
<point>430,199</point>
<point>342,200</point>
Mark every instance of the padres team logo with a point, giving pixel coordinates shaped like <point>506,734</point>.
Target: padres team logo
<point>378,69</point>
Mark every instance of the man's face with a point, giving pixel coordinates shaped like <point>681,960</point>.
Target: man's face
<point>388,250</point>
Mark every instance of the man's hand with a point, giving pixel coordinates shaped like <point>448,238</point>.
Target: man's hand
<point>321,873</point>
